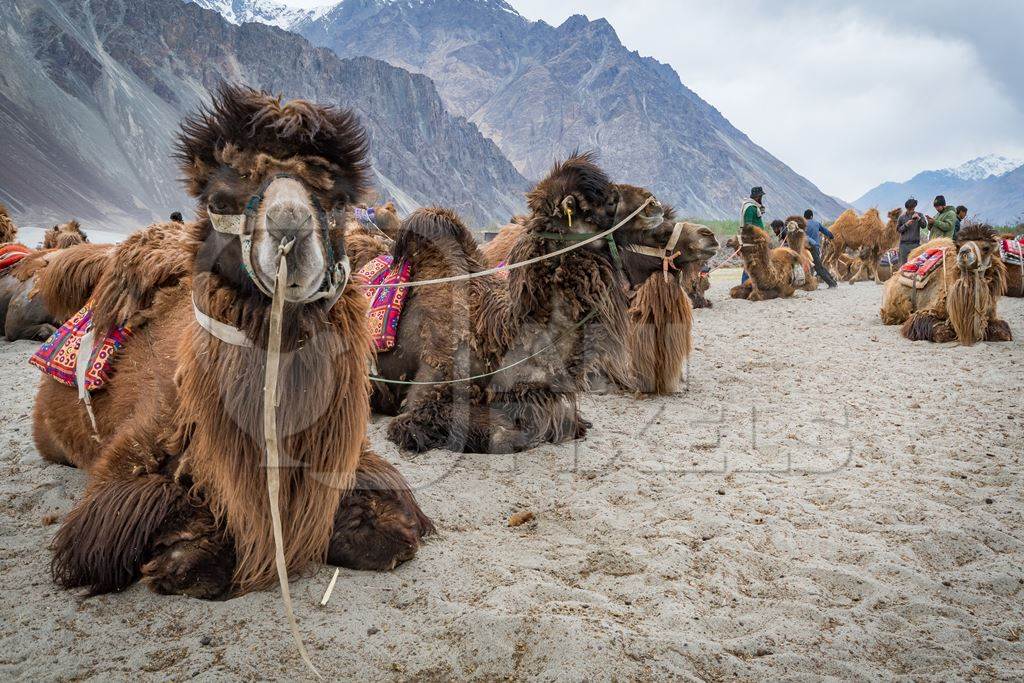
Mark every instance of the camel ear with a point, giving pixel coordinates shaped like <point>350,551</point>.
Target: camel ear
<point>569,206</point>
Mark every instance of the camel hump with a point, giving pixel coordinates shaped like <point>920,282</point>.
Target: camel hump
<point>433,230</point>
<point>149,260</point>
<point>68,277</point>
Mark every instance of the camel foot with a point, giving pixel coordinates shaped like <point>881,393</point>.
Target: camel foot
<point>406,432</point>
<point>739,292</point>
<point>920,327</point>
<point>199,567</point>
<point>379,524</point>
<point>998,331</point>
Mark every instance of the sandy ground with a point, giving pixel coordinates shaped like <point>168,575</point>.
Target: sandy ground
<point>826,499</point>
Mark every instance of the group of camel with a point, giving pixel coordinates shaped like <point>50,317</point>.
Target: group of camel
<point>492,356</point>
<point>958,305</point>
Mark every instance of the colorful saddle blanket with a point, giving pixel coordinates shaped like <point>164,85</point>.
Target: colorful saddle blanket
<point>1012,251</point>
<point>799,275</point>
<point>11,254</point>
<point>385,303</point>
<point>890,258</point>
<point>58,356</point>
<point>917,272</point>
<point>364,215</point>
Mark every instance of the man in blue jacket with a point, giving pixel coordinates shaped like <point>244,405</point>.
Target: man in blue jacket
<point>814,232</point>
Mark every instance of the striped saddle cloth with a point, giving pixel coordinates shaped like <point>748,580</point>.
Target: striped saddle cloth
<point>1012,251</point>
<point>917,272</point>
<point>11,254</point>
<point>59,356</point>
<point>385,303</point>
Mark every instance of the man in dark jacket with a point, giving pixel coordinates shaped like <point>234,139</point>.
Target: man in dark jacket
<point>961,216</point>
<point>814,232</point>
<point>909,227</point>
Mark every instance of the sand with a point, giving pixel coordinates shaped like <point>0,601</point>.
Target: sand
<point>825,499</point>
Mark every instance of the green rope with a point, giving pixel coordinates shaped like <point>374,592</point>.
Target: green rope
<point>578,325</point>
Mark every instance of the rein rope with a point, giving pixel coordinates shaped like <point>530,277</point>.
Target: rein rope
<point>270,435</point>
<point>519,264</point>
<point>586,318</point>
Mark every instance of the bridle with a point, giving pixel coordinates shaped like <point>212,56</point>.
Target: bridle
<point>583,236</point>
<point>243,225</point>
<point>667,254</point>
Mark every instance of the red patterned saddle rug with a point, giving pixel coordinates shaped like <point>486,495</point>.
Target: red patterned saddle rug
<point>1012,251</point>
<point>58,356</point>
<point>917,272</point>
<point>385,303</point>
<point>11,254</point>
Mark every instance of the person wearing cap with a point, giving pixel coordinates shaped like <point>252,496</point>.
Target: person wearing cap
<point>752,213</point>
<point>176,217</point>
<point>944,222</point>
<point>909,225</point>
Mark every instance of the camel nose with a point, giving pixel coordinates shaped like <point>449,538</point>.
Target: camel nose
<point>967,257</point>
<point>289,219</point>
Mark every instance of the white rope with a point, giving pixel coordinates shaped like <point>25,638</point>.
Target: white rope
<point>270,401</point>
<point>512,266</point>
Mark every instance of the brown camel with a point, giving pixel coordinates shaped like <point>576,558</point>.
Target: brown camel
<point>771,271</point>
<point>1014,270</point>
<point>8,230</point>
<point>656,351</point>
<point>23,314</point>
<point>177,491</point>
<point>528,341</point>
<point>796,240</point>
<point>866,232</point>
<point>958,302</point>
<point>64,235</point>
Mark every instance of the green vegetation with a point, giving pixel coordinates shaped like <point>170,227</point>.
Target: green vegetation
<point>720,228</point>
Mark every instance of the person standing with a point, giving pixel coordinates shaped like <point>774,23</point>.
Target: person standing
<point>945,219</point>
<point>752,213</point>
<point>961,216</point>
<point>814,232</point>
<point>909,225</point>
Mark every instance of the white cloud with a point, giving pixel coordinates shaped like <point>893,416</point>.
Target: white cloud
<point>848,92</point>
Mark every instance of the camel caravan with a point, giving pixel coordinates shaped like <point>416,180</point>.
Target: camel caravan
<point>215,379</point>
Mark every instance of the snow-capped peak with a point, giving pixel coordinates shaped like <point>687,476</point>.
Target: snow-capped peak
<point>983,167</point>
<point>266,11</point>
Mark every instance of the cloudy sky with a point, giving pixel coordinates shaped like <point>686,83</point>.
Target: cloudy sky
<point>848,93</point>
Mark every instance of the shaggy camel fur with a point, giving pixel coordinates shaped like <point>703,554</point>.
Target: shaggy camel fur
<point>23,313</point>
<point>959,301</point>
<point>770,270</point>
<point>544,328</point>
<point>8,230</point>
<point>64,235</point>
<point>796,239</point>
<point>177,490</point>
<point>655,355</point>
<point>866,232</point>
<point>1014,272</point>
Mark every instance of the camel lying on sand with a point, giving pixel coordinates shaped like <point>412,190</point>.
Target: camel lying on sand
<point>23,314</point>
<point>958,302</point>
<point>771,272</point>
<point>865,235</point>
<point>1014,270</point>
<point>528,341</point>
<point>660,315</point>
<point>8,230</point>
<point>177,460</point>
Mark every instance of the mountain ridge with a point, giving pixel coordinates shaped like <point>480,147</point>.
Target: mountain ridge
<point>541,91</point>
<point>91,94</point>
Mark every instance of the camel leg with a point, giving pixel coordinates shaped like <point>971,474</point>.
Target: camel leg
<point>378,524</point>
<point>40,332</point>
<point>741,291</point>
<point>998,331</point>
<point>190,555</point>
<point>926,326</point>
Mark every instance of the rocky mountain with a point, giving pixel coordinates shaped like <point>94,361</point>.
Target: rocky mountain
<point>92,92</point>
<point>541,91</point>
<point>992,187</point>
<point>262,11</point>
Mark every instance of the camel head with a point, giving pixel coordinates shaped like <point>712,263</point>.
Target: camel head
<point>796,233</point>
<point>271,180</point>
<point>894,215</point>
<point>976,247</point>
<point>576,198</point>
<point>64,235</point>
